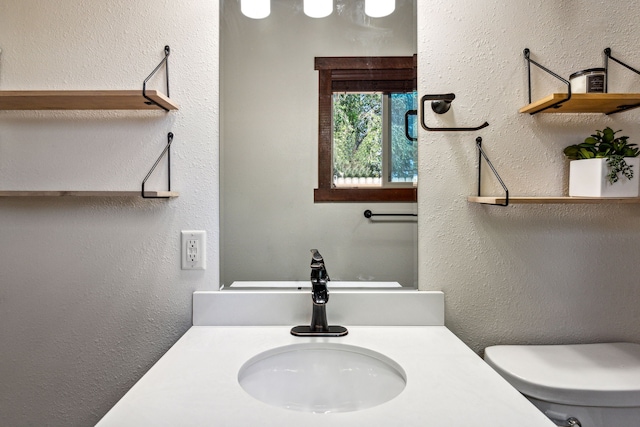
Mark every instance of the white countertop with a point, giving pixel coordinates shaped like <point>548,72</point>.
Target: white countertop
<point>195,383</point>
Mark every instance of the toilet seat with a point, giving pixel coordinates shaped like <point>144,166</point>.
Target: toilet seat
<point>606,374</point>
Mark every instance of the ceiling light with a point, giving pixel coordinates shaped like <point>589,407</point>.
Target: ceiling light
<point>318,8</point>
<point>256,9</point>
<point>379,8</point>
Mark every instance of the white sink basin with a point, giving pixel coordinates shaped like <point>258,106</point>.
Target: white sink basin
<point>322,377</point>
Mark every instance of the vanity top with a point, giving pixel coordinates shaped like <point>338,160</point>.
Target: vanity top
<point>196,382</point>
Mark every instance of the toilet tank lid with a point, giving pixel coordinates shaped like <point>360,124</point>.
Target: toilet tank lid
<point>604,374</point>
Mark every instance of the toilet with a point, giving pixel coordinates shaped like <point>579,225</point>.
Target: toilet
<point>582,385</point>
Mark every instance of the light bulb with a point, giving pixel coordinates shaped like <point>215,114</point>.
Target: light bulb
<point>379,8</point>
<point>318,8</point>
<point>256,9</point>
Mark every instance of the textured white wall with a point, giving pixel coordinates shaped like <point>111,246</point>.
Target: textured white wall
<point>91,291</point>
<point>537,273</point>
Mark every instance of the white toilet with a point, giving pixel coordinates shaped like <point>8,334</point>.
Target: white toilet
<point>587,385</point>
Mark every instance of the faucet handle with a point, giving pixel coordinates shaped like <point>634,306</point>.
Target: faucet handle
<point>318,269</point>
<point>316,257</point>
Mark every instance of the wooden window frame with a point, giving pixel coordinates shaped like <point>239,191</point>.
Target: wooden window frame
<point>357,74</point>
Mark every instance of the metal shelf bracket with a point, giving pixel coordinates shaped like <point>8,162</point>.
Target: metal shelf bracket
<point>165,62</point>
<point>168,153</point>
<point>482,154</point>
<point>527,56</point>
<point>607,56</point>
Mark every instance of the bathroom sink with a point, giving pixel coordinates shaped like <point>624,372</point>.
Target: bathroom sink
<point>322,377</point>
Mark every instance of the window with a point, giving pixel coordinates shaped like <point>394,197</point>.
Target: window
<point>367,127</point>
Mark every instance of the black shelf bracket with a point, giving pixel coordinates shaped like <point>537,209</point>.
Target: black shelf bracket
<point>166,151</point>
<point>440,104</point>
<point>607,56</point>
<point>482,154</point>
<point>527,56</point>
<point>165,62</point>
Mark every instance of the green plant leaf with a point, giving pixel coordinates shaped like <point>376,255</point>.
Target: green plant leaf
<point>618,165</point>
<point>608,134</point>
<point>586,154</point>
<point>571,151</point>
<point>603,144</point>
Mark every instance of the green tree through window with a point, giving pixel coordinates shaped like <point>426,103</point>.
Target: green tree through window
<point>404,151</point>
<point>358,134</point>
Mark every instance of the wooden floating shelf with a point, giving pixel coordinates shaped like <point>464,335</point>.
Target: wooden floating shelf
<point>501,200</point>
<point>83,100</point>
<point>18,193</point>
<point>605,103</point>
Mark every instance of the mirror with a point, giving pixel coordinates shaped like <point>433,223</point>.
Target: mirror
<point>269,148</point>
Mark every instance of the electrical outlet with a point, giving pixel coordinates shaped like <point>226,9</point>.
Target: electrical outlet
<point>194,249</point>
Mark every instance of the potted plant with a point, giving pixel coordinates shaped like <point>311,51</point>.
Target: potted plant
<point>603,166</point>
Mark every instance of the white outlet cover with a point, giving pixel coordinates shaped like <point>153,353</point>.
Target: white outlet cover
<point>198,260</point>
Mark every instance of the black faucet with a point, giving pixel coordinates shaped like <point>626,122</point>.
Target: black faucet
<point>319,278</point>
<point>319,292</point>
<point>319,297</point>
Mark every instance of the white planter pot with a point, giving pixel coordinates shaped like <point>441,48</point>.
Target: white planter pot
<point>588,178</point>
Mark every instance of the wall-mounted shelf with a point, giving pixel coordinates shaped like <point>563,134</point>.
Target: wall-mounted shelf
<point>84,100</point>
<point>144,193</point>
<point>491,200</point>
<point>606,103</point>
<point>507,200</point>
<point>148,194</point>
<point>569,102</point>
<point>92,99</point>
<point>98,100</point>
